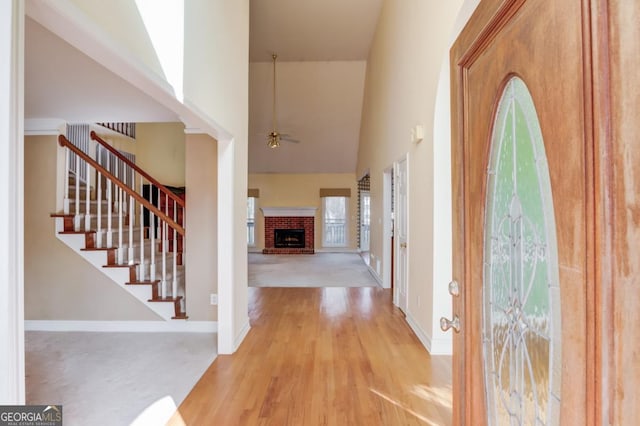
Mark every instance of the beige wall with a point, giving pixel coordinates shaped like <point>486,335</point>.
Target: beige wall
<point>201,251</point>
<point>60,285</point>
<point>160,151</point>
<point>303,190</point>
<point>409,46</point>
<point>216,82</point>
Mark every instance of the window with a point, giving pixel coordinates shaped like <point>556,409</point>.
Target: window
<point>251,221</point>
<point>334,223</point>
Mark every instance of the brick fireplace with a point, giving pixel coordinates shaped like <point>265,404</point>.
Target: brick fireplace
<point>294,223</point>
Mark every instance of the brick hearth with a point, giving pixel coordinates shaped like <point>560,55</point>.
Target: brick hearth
<point>272,223</point>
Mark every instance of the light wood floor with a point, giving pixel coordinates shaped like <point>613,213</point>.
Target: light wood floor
<point>323,356</point>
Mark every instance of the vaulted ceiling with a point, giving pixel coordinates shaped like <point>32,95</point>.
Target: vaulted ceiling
<point>322,48</point>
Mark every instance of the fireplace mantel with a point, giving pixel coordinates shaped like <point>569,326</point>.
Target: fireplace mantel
<point>289,211</point>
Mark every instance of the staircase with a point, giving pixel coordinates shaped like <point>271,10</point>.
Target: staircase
<point>130,229</point>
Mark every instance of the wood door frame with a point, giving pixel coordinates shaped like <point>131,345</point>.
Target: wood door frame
<point>487,20</point>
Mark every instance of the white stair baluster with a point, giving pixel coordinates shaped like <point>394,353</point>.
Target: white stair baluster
<point>152,232</point>
<point>99,210</point>
<point>76,223</point>
<point>87,200</point>
<point>142,271</point>
<point>164,259</point>
<point>174,287</point>
<point>65,204</point>
<point>131,220</point>
<point>121,246</point>
<point>109,206</point>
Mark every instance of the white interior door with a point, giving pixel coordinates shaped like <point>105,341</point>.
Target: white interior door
<point>400,235</point>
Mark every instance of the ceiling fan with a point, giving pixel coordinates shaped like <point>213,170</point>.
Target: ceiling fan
<point>274,137</point>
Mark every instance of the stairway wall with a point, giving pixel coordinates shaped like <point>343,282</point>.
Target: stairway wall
<point>201,251</point>
<point>160,151</point>
<point>60,285</point>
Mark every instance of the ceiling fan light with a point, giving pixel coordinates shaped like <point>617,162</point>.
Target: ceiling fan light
<point>273,143</point>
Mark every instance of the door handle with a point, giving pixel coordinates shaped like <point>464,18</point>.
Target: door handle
<point>446,324</point>
<point>454,288</point>
<point>403,245</point>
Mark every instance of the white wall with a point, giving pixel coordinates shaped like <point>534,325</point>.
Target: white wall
<point>403,71</point>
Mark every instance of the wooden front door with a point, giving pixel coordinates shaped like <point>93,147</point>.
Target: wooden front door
<point>522,199</point>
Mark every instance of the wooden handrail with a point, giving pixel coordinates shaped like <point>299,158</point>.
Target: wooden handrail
<point>64,142</point>
<point>160,186</point>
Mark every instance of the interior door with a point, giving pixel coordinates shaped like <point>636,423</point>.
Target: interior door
<point>521,194</point>
<point>400,235</point>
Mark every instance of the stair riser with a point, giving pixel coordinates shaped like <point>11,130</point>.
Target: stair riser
<point>122,275</point>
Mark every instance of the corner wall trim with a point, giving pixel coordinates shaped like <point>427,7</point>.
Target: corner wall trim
<point>375,275</point>
<point>241,335</point>
<point>177,326</point>
<point>433,346</point>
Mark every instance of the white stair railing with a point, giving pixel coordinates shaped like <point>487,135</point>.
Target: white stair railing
<point>127,189</point>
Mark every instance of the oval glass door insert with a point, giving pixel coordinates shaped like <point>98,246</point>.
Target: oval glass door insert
<point>521,309</point>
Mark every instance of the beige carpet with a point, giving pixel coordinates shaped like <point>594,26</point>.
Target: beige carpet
<point>115,378</point>
<point>316,270</point>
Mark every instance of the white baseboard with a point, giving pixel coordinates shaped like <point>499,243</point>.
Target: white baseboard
<point>240,336</point>
<point>336,250</point>
<point>175,326</point>
<point>254,250</point>
<point>433,346</point>
<point>375,275</point>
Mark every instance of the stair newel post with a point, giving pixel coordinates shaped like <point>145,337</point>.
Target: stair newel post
<point>164,259</point>
<point>76,224</point>
<point>65,204</point>
<point>142,273</point>
<point>174,286</point>
<point>109,206</point>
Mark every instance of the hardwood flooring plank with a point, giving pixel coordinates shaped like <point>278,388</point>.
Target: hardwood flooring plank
<point>323,356</point>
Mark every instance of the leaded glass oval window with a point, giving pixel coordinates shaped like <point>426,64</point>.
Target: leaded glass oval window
<point>521,309</point>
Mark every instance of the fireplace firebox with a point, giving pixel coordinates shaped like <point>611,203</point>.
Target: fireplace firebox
<point>288,238</point>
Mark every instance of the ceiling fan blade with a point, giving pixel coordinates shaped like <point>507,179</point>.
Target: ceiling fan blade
<point>288,139</point>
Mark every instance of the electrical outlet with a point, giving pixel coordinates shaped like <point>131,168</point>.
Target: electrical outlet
<point>213,299</point>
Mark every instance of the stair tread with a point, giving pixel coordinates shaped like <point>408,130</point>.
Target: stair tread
<point>77,232</point>
<point>120,265</point>
<point>166,299</point>
<point>143,282</point>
